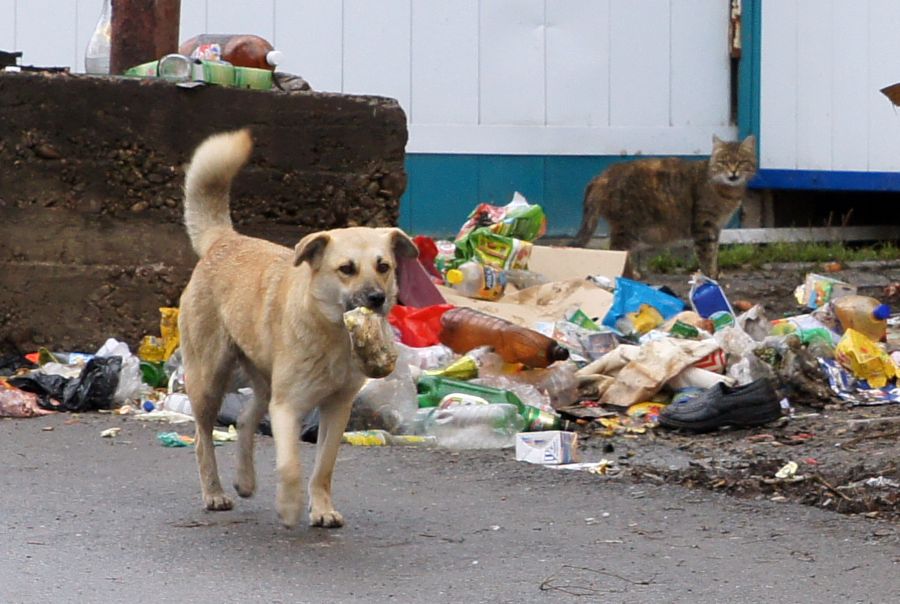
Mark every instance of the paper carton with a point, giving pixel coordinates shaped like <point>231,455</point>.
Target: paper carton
<point>563,263</point>
<point>548,447</point>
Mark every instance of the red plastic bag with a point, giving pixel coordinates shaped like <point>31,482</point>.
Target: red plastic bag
<point>427,253</point>
<point>419,327</point>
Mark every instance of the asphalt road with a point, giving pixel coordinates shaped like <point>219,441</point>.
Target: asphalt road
<point>90,519</point>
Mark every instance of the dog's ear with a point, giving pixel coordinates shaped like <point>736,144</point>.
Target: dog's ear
<point>310,249</point>
<point>402,245</point>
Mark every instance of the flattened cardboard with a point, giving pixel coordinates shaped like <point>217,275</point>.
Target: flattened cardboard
<point>542,303</point>
<point>564,263</point>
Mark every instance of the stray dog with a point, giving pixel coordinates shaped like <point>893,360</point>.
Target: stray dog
<point>278,314</point>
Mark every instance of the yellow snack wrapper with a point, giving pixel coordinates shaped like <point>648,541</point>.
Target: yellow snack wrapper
<point>865,359</point>
<point>168,328</point>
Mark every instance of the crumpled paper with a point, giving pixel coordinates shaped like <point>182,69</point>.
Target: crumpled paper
<point>641,371</point>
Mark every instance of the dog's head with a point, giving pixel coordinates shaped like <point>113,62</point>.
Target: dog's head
<point>354,267</point>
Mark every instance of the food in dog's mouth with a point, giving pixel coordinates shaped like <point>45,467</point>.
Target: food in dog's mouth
<point>372,341</point>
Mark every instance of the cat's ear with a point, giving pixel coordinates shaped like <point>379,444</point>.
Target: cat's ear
<point>717,143</point>
<point>748,145</point>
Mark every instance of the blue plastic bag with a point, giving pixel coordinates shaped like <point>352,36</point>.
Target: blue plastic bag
<point>629,296</point>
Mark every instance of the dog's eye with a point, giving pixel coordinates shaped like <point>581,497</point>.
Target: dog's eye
<point>348,269</point>
<point>382,267</point>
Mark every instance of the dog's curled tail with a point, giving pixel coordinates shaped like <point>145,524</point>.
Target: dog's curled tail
<point>207,186</point>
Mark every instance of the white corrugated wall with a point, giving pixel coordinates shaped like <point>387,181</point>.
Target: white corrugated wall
<point>545,77</point>
<point>823,64</point>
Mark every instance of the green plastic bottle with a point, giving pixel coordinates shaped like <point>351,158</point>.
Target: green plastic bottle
<point>433,389</point>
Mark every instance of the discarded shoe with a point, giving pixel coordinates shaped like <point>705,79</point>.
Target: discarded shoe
<point>752,404</point>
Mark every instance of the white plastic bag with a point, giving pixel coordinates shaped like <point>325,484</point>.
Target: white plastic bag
<point>131,384</point>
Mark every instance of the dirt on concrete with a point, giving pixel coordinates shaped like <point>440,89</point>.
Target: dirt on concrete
<point>846,456</point>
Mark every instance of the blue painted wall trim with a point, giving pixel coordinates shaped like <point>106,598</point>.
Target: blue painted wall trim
<point>442,189</point>
<point>827,180</point>
<point>749,69</point>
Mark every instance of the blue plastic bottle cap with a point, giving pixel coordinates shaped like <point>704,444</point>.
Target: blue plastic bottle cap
<point>149,406</point>
<point>882,312</point>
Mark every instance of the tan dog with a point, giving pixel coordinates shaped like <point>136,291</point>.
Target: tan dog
<point>278,313</point>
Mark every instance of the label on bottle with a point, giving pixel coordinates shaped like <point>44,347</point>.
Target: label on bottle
<point>207,52</point>
<point>461,398</point>
<point>493,283</point>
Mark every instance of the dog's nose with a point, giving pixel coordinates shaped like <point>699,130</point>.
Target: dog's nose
<point>375,300</point>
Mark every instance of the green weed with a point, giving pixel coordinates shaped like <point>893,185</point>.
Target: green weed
<point>744,255</point>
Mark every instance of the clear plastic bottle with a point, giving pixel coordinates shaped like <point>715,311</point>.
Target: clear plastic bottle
<point>474,426</point>
<point>427,357</point>
<point>862,313</point>
<point>96,55</point>
<point>463,329</point>
<point>474,280</point>
<point>479,362</point>
<point>241,50</point>
<point>178,402</point>
<point>558,382</point>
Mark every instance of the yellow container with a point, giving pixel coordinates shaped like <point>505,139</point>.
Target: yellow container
<point>168,328</point>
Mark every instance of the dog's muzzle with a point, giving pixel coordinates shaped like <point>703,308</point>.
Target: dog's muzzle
<point>372,298</point>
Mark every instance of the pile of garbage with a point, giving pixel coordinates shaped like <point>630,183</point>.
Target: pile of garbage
<point>484,350</point>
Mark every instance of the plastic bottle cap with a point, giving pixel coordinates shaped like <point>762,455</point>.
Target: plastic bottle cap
<point>882,312</point>
<point>274,57</point>
<point>558,353</point>
<point>455,276</point>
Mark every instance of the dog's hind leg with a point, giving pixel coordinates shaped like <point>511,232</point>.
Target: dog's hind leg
<point>208,373</point>
<point>333,416</point>
<point>248,422</point>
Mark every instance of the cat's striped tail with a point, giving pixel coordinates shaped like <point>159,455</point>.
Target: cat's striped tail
<point>590,217</point>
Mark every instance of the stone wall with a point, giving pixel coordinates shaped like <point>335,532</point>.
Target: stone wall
<point>91,170</point>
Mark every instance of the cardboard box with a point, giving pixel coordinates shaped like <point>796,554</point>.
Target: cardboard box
<point>548,447</point>
<point>564,263</point>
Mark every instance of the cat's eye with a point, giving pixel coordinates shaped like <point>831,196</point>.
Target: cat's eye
<point>348,268</point>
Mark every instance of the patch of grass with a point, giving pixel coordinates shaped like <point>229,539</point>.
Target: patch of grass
<point>744,255</point>
<point>735,256</point>
<point>667,262</point>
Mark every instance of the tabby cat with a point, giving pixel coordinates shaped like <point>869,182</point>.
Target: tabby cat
<point>657,202</point>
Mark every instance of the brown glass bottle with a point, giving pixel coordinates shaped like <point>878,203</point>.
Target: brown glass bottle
<point>241,50</point>
<point>463,329</point>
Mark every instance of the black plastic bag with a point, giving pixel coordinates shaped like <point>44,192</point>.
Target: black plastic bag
<point>10,364</point>
<point>48,388</point>
<point>93,389</point>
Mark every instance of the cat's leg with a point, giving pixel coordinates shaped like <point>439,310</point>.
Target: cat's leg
<point>707,248</point>
<point>620,239</point>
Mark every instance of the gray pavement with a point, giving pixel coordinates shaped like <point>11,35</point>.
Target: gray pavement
<point>89,519</point>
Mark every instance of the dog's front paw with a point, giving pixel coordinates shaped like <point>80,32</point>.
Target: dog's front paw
<point>217,503</point>
<point>289,510</point>
<point>245,485</point>
<point>328,519</point>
